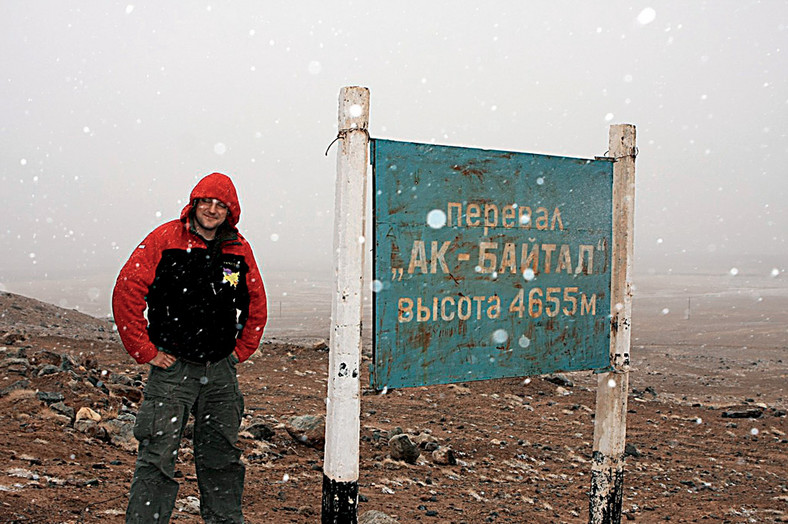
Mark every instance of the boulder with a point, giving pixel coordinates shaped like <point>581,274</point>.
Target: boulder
<point>426,441</point>
<point>67,362</point>
<point>62,409</point>
<point>120,431</point>
<point>190,505</point>
<point>309,430</point>
<point>444,457</point>
<point>402,448</point>
<point>50,397</point>
<point>90,428</point>
<point>743,412</point>
<point>85,413</point>
<point>259,429</point>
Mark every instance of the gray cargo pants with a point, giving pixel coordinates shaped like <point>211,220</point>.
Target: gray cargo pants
<point>210,392</point>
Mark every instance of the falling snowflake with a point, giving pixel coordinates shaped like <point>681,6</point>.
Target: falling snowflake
<point>314,68</point>
<point>500,336</point>
<point>436,219</point>
<point>647,16</point>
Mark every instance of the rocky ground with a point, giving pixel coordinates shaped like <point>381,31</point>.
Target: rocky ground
<point>511,450</point>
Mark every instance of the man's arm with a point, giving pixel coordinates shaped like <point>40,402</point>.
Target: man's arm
<point>257,317</point>
<point>128,299</point>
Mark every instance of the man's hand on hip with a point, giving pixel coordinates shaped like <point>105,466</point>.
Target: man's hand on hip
<point>162,360</point>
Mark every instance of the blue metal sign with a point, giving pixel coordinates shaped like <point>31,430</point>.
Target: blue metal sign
<point>488,264</point>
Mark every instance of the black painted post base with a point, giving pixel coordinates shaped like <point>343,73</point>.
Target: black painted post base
<point>340,502</point>
<point>607,489</point>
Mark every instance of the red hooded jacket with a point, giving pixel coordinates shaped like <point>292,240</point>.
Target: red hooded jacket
<point>204,300</point>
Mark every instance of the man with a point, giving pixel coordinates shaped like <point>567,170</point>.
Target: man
<point>206,311</point>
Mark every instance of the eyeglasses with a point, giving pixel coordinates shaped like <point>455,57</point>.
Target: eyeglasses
<point>208,201</point>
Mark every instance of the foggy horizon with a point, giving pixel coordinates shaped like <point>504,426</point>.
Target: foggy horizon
<point>111,114</point>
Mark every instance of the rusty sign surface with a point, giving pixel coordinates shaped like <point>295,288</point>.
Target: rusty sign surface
<point>488,264</point>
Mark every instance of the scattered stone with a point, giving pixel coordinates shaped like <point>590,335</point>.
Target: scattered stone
<point>54,481</point>
<point>50,397</point>
<point>90,428</point>
<point>401,448</point>
<point>320,345</point>
<point>48,369</point>
<point>460,390</point>
<point>190,505</point>
<point>561,391</point>
<point>22,473</point>
<point>395,431</point>
<point>19,384</point>
<point>62,409</point>
<point>67,362</point>
<point>85,413</point>
<point>117,378</point>
<point>444,456</point>
<point>120,431</point>
<point>560,380</point>
<point>12,338</point>
<point>127,392</point>
<point>188,429</point>
<point>30,458</point>
<point>426,442</point>
<point>743,412</point>
<point>630,450</point>
<point>649,392</point>
<point>259,430</point>
<point>46,357</point>
<point>374,516</point>
<point>18,366</point>
<point>98,384</point>
<point>308,430</point>
<point>90,362</point>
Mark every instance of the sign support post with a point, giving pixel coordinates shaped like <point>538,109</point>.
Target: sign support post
<point>343,408</point>
<point>607,469</point>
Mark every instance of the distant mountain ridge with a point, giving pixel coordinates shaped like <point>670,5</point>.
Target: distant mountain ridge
<point>28,316</point>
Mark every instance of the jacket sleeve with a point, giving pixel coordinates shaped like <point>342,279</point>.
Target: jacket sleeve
<point>128,298</point>
<point>252,332</point>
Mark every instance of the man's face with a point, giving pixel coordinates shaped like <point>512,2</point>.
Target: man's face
<point>210,213</point>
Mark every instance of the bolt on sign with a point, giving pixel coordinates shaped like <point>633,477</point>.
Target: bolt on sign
<point>488,264</point>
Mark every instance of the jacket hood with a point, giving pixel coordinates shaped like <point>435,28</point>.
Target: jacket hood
<point>220,187</point>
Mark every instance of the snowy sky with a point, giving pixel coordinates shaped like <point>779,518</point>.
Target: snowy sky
<point>111,111</point>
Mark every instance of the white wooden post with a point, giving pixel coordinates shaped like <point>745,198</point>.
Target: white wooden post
<point>343,408</point>
<point>610,422</point>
